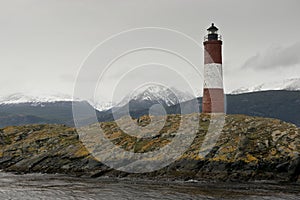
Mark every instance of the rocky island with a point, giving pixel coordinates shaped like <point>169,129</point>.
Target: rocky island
<point>248,149</point>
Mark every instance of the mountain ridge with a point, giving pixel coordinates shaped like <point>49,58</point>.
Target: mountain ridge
<point>160,94</point>
<point>292,84</point>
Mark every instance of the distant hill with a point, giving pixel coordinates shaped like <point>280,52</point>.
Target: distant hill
<point>284,105</point>
<point>42,112</point>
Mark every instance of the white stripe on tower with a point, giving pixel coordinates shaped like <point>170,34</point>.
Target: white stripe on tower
<point>213,75</point>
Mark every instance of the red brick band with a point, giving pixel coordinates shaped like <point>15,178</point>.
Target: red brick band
<point>213,100</point>
<point>213,52</point>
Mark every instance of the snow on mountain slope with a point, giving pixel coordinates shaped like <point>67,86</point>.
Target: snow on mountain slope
<point>288,84</point>
<point>33,98</point>
<point>102,106</point>
<point>40,99</point>
<point>157,94</point>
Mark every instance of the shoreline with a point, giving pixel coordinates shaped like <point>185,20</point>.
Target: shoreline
<point>215,189</point>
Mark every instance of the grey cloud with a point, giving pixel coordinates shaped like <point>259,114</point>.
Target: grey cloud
<point>43,43</point>
<point>275,57</point>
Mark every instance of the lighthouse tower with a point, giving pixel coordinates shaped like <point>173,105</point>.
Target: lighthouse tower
<point>213,93</point>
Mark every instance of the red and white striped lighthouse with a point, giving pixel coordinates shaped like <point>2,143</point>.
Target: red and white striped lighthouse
<point>213,93</point>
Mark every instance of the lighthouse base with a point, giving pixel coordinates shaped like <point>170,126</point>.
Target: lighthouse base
<point>213,100</point>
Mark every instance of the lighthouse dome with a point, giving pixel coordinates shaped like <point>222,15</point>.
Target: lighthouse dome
<point>212,28</point>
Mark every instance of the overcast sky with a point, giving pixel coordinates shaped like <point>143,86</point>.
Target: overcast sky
<point>43,43</point>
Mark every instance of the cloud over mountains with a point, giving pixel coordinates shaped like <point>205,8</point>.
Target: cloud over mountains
<point>275,57</point>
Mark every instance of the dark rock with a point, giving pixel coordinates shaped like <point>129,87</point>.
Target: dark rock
<point>294,169</point>
<point>283,167</point>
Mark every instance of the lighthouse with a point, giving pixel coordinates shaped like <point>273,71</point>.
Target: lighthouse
<point>213,92</point>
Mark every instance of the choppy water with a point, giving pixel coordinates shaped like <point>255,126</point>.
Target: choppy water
<point>39,186</point>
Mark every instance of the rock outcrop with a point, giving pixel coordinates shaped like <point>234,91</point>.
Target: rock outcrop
<point>248,148</point>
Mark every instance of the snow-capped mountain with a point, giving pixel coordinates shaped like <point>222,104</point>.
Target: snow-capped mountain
<point>39,99</point>
<point>158,94</point>
<point>33,98</point>
<point>288,84</point>
<point>101,106</point>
